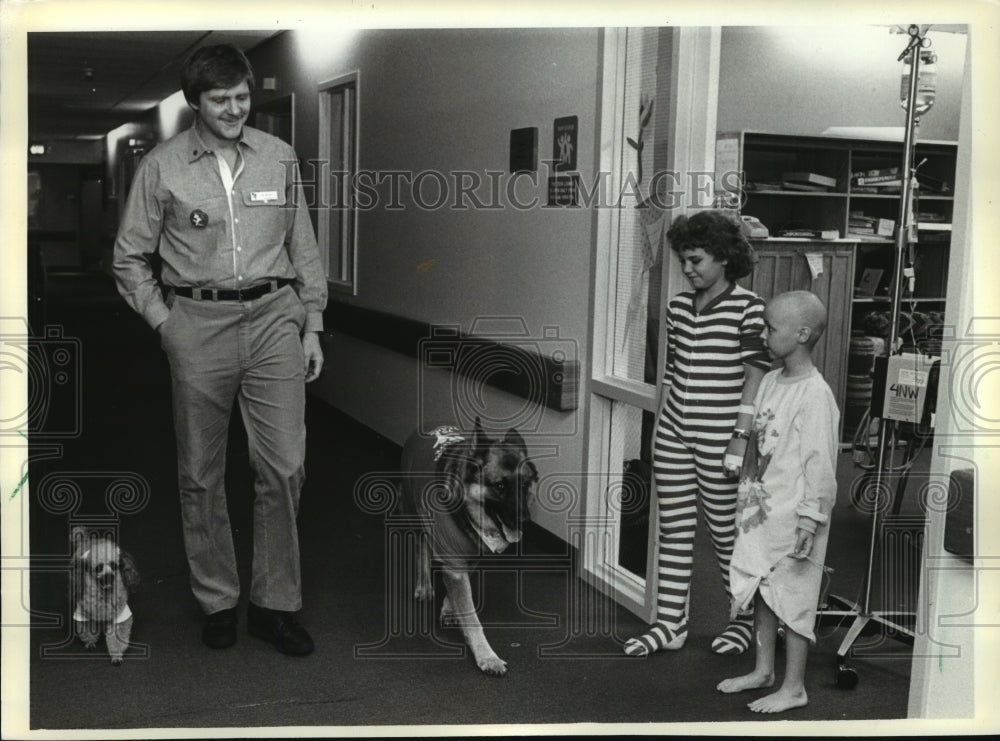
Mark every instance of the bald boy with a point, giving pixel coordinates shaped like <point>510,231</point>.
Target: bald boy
<point>803,308</point>
<point>787,489</point>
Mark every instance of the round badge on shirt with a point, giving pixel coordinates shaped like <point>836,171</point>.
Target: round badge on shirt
<point>199,219</point>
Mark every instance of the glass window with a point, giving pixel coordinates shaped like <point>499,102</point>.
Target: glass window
<point>338,165</point>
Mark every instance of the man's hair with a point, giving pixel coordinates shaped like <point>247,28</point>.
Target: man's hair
<point>719,235</point>
<point>213,67</point>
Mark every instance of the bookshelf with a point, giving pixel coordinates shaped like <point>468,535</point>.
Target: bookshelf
<point>808,185</point>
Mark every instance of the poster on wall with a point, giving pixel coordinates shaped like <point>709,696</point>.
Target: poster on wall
<point>564,134</point>
<point>564,190</point>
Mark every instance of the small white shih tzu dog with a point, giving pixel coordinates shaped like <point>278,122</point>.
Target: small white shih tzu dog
<point>100,581</point>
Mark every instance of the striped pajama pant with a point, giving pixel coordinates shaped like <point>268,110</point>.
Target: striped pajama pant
<point>687,469</point>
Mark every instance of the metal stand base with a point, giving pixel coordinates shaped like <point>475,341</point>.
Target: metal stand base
<point>837,609</point>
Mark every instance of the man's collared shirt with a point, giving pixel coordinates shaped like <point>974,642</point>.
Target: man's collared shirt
<point>179,207</point>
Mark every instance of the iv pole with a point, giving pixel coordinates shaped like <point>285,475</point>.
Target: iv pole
<point>864,617</point>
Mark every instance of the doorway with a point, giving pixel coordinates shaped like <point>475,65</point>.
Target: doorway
<point>660,88</point>
<point>277,117</point>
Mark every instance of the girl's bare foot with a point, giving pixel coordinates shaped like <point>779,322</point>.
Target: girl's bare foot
<point>779,701</point>
<point>752,681</point>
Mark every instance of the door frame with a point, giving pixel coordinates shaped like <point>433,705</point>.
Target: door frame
<point>691,92</point>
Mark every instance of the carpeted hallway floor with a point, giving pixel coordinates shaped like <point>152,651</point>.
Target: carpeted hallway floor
<point>377,662</point>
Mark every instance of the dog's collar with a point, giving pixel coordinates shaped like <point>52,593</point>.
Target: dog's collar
<point>124,614</point>
<point>491,537</point>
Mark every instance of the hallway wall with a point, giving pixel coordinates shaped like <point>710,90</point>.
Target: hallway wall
<point>444,101</point>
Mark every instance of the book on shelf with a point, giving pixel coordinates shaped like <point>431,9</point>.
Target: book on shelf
<point>876,172</point>
<point>933,184</point>
<point>868,284</point>
<point>809,233</point>
<point>942,237</point>
<point>865,234</point>
<point>812,178</point>
<point>930,226</point>
<point>762,185</point>
<point>931,216</point>
<point>883,180</point>
<point>805,187</point>
<point>880,190</point>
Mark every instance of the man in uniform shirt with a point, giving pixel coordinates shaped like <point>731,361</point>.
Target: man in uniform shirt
<point>238,307</point>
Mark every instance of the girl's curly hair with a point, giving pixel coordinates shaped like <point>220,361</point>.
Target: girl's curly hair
<point>719,235</point>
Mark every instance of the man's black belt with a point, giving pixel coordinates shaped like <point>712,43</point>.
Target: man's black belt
<point>230,294</point>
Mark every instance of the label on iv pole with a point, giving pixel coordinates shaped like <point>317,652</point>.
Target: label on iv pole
<point>906,386</point>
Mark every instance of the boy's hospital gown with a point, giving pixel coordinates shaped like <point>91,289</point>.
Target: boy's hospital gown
<point>787,481</point>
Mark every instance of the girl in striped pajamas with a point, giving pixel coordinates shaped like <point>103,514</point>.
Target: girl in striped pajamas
<point>715,360</point>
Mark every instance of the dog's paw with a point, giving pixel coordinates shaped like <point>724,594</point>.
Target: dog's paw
<point>117,661</point>
<point>90,645</point>
<point>493,665</point>
<point>424,592</point>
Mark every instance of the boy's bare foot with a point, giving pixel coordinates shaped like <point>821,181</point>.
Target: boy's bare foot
<point>752,681</point>
<point>779,701</point>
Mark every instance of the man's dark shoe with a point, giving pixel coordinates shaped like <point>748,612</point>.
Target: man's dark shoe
<point>220,629</point>
<point>279,628</point>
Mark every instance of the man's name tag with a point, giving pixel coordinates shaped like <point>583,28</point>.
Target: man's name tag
<point>263,196</point>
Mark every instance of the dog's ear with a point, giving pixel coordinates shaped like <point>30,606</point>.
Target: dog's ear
<point>129,571</point>
<point>531,472</point>
<point>480,443</point>
<point>77,576</point>
<point>79,544</point>
<point>78,539</point>
<point>513,439</point>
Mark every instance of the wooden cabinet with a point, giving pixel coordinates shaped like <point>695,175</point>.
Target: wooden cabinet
<point>806,185</point>
<point>825,268</point>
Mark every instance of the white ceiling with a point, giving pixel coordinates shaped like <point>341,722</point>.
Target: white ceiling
<point>132,72</point>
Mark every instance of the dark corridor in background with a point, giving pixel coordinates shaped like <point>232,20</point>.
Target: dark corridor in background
<point>277,118</point>
<point>82,88</point>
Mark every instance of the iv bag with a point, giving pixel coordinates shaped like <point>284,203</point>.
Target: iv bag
<point>926,82</point>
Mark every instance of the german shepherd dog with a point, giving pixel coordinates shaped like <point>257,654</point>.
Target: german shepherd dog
<point>471,497</point>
